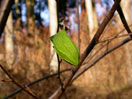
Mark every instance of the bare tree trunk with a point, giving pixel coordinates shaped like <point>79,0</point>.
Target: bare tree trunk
<point>9,45</point>
<point>53,28</point>
<point>125,4</point>
<point>30,8</point>
<point>95,20</point>
<point>30,15</point>
<point>16,7</point>
<point>92,26</point>
<point>92,18</point>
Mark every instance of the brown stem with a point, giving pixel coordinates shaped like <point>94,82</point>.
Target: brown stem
<point>34,82</point>
<point>5,8</point>
<point>106,52</point>
<point>16,83</point>
<point>124,22</point>
<point>94,41</point>
<point>78,22</point>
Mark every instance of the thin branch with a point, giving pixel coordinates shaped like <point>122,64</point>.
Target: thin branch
<point>59,61</point>
<point>57,4</point>
<point>16,83</point>
<point>114,37</point>
<point>124,22</point>
<point>106,52</point>
<point>59,77</point>
<point>107,39</point>
<point>78,22</point>
<point>90,58</point>
<point>58,93</point>
<point>34,82</point>
<point>78,73</point>
<point>5,8</point>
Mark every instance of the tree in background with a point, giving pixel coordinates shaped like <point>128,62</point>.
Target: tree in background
<point>92,27</point>
<point>92,18</point>
<point>125,4</point>
<point>29,46</point>
<point>17,7</point>
<point>95,17</point>
<point>30,14</point>
<point>53,29</point>
<point>9,45</point>
<point>38,6</point>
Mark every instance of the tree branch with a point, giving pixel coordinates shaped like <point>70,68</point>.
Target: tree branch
<point>114,37</point>
<point>16,83</point>
<point>5,8</point>
<point>106,52</point>
<point>124,22</point>
<point>34,82</point>
<point>78,22</point>
<point>94,41</point>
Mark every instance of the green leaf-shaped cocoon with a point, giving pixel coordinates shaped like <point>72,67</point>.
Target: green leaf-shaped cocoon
<point>65,47</point>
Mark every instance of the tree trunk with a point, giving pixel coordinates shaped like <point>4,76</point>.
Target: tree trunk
<point>30,15</point>
<point>9,45</point>
<point>17,7</point>
<point>92,18</point>
<point>30,8</point>
<point>92,26</point>
<point>125,4</point>
<point>53,28</point>
<point>95,20</point>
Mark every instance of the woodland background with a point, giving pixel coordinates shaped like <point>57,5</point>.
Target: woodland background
<point>27,54</point>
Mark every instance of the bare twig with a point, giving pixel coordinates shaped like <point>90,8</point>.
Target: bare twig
<point>34,82</point>
<point>107,51</point>
<point>114,37</point>
<point>78,22</point>
<point>122,17</point>
<point>6,80</point>
<point>90,58</point>
<point>16,83</point>
<point>5,8</point>
<point>78,73</point>
<point>107,39</point>
<point>59,61</point>
<point>58,93</point>
<point>59,77</point>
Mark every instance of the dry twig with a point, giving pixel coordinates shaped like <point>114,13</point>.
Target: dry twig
<point>16,83</point>
<point>94,41</point>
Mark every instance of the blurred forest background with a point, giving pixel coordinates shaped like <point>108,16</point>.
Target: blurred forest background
<point>26,51</point>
